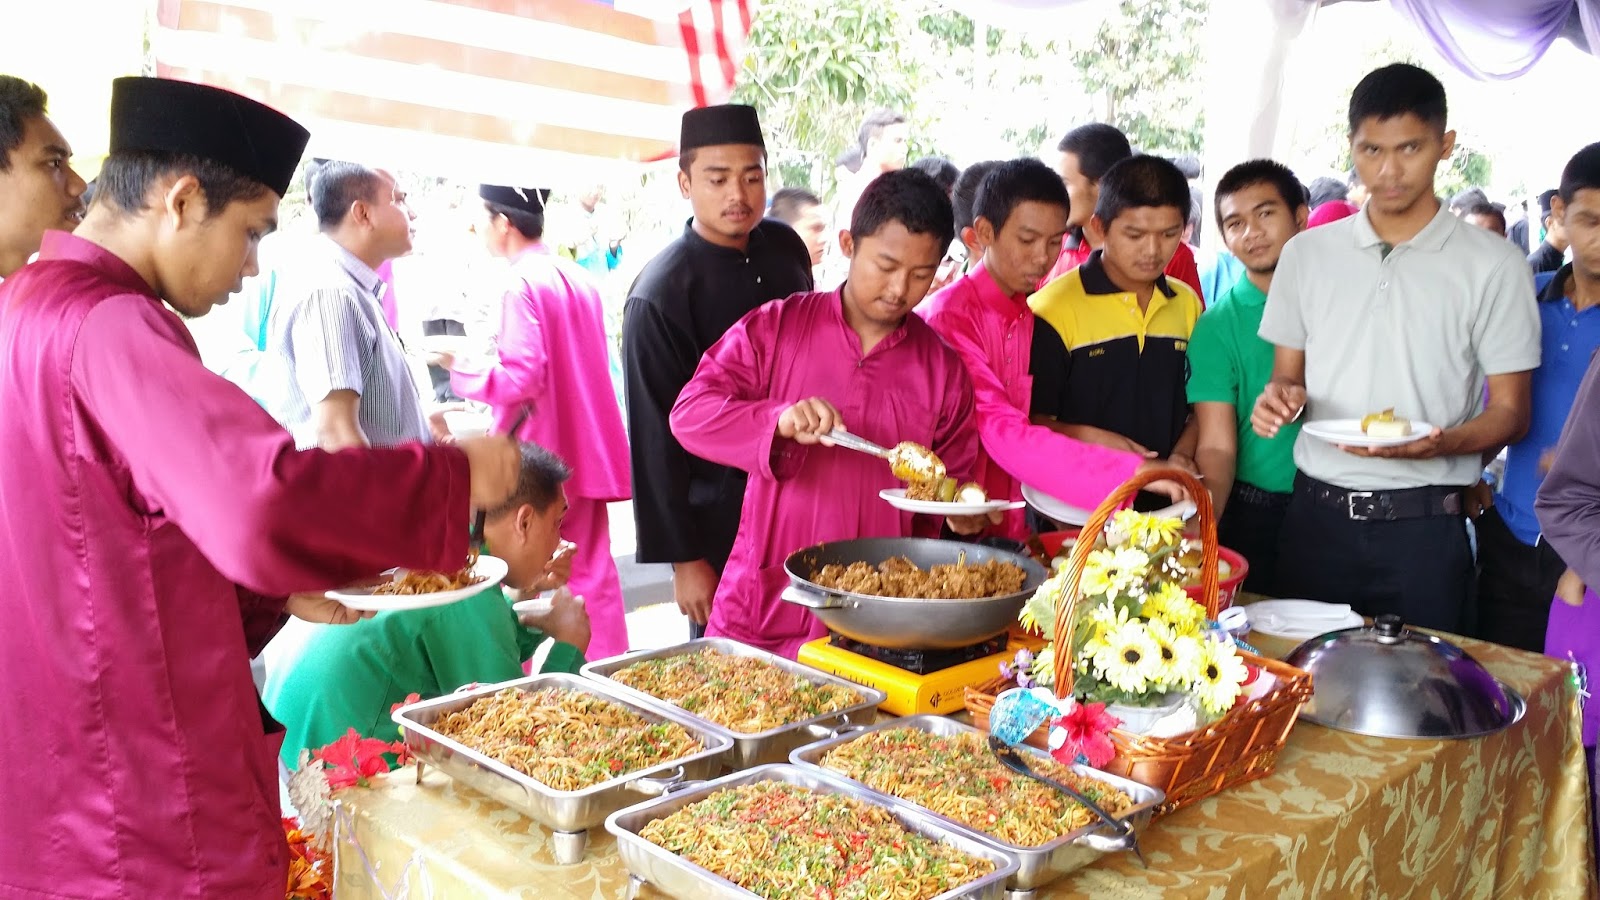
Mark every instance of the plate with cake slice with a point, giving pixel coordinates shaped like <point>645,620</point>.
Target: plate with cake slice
<point>1379,429</point>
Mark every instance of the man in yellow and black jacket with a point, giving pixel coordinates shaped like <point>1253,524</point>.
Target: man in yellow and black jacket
<point>1109,359</point>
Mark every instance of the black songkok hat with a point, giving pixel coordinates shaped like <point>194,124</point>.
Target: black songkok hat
<point>167,116</point>
<point>526,199</point>
<point>709,126</point>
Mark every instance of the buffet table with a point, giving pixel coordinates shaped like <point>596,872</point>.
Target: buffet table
<point>1343,815</point>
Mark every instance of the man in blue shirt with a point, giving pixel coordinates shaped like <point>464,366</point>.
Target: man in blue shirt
<point>1517,568</point>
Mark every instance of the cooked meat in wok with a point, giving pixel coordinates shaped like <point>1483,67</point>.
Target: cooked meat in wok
<point>899,577</point>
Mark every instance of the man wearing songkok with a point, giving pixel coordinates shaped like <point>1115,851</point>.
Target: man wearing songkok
<point>323,680</point>
<point>787,374</point>
<point>1019,218</point>
<point>727,262</point>
<point>334,372</point>
<point>169,518</point>
<point>1404,307</point>
<point>551,370</point>
<point>38,189</point>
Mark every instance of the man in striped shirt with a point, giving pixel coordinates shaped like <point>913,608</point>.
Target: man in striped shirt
<point>335,374</point>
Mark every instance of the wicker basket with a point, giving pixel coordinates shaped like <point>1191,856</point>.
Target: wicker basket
<point>1241,746</point>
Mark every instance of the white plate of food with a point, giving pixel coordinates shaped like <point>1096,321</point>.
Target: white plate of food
<point>897,498</point>
<point>407,589</point>
<point>1380,429</point>
<point>1300,619</point>
<point>1065,513</point>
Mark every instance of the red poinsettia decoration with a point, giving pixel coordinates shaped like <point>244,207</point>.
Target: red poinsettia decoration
<point>1088,732</point>
<point>308,866</point>
<point>353,759</point>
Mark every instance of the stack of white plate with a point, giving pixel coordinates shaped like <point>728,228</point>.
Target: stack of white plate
<point>1300,619</point>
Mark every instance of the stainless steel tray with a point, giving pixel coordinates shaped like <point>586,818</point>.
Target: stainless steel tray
<point>772,745</point>
<point>569,812</point>
<point>1037,866</point>
<point>677,877</point>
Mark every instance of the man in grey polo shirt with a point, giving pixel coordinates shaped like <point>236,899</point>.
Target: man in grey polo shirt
<point>334,374</point>
<point>1402,306</point>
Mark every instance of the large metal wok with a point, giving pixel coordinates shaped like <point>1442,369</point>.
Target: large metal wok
<point>898,623</point>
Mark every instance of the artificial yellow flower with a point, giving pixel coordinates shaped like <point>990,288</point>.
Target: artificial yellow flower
<point>1147,532</point>
<point>1165,639</point>
<point>1187,650</point>
<point>1039,613</point>
<point>1218,676</point>
<point>1173,605</point>
<point>1114,572</point>
<point>1129,660</point>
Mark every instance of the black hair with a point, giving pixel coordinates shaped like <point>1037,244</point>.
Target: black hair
<point>871,127</point>
<point>529,224</point>
<point>1260,171</point>
<point>1544,196</point>
<point>1581,173</point>
<point>1097,147</point>
<point>1140,181</point>
<point>964,196</point>
<point>787,204</point>
<point>1014,182</point>
<point>538,481</point>
<point>336,185</point>
<point>1189,165</point>
<point>127,176</point>
<point>1467,199</point>
<point>1490,210</point>
<point>1325,189</point>
<point>1396,90</point>
<point>940,170</point>
<point>19,101</point>
<point>906,196</point>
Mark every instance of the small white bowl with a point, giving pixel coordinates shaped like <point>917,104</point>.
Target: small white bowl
<point>466,423</point>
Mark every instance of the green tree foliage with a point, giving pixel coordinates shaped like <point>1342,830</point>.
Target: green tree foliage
<point>814,70</point>
<point>1144,65</point>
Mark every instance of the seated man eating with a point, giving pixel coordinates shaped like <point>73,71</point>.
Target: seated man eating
<point>323,680</point>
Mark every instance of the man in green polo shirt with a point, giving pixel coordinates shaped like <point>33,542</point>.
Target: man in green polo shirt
<point>338,677</point>
<point>1260,205</point>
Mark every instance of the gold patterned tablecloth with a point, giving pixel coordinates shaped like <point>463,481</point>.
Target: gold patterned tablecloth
<point>1342,816</point>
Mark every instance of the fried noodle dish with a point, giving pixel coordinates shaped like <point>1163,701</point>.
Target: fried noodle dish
<point>782,841</point>
<point>959,778</point>
<point>899,577</point>
<point>566,739</point>
<point>413,582</point>
<point>739,693</point>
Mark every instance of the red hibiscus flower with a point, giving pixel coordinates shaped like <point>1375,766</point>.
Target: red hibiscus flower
<point>353,759</point>
<point>1088,729</point>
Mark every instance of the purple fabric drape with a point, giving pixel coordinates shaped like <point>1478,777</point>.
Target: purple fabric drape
<point>1501,39</point>
<point>1489,39</point>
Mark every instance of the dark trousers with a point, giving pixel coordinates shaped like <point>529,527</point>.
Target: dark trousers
<point>1251,525</point>
<point>718,529</point>
<point>1420,569</point>
<point>1515,585</point>
<point>438,376</point>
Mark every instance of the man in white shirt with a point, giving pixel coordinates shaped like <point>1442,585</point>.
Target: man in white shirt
<point>339,375</point>
<point>1401,306</point>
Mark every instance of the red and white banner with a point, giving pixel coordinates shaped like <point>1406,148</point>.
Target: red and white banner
<point>519,91</point>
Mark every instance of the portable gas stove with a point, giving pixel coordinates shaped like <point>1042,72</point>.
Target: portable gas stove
<point>917,681</point>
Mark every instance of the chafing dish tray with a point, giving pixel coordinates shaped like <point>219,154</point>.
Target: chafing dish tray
<point>568,813</point>
<point>1037,866</point>
<point>677,877</point>
<point>758,748</point>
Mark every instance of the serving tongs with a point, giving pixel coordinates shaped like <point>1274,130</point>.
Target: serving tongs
<point>1123,836</point>
<point>908,461</point>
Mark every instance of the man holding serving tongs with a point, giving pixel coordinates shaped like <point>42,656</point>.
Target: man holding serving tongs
<point>783,378</point>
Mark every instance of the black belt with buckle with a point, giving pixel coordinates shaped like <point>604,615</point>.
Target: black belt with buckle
<point>1384,506</point>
